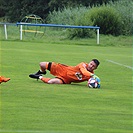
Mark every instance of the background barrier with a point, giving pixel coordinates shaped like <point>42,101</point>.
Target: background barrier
<point>47,25</point>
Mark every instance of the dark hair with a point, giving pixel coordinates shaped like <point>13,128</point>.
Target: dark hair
<point>96,62</point>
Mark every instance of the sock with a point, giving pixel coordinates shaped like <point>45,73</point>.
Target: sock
<point>45,80</point>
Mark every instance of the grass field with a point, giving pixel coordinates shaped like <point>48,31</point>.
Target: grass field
<point>30,106</point>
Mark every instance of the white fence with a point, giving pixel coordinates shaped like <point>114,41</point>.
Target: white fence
<point>47,25</point>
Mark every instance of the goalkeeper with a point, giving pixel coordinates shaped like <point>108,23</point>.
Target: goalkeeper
<point>65,74</point>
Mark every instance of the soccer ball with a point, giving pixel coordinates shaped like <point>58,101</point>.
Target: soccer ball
<point>94,83</point>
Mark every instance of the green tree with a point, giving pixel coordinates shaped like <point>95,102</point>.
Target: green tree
<point>15,10</point>
<point>57,4</point>
<point>2,9</point>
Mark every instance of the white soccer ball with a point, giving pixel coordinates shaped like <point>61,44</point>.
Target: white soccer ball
<point>93,83</point>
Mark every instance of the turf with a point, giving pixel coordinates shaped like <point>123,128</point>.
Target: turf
<point>29,106</point>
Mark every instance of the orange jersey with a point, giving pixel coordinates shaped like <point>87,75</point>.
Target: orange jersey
<point>70,74</point>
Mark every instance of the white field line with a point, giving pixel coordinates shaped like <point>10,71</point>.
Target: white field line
<point>120,64</point>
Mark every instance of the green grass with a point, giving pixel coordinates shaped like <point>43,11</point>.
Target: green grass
<point>29,106</point>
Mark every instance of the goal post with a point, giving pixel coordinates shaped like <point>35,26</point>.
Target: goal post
<point>58,25</point>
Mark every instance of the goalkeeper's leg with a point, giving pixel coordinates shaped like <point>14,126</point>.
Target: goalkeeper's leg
<point>51,81</point>
<point>43,67</point>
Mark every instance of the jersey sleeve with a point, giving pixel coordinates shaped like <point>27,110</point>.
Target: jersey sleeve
<point>84,71</point>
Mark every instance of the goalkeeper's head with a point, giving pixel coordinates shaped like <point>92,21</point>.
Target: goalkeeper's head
<point>96,62</point>
<point>92,65</point>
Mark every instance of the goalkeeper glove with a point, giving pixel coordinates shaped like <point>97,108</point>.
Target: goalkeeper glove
<point>95,76</point>
<point>97,79</point>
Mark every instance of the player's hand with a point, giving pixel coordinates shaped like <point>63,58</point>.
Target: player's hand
<point>96,78</point>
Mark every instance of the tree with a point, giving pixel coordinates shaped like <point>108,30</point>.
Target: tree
<point>15,10</point>
<point>2,10</point>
